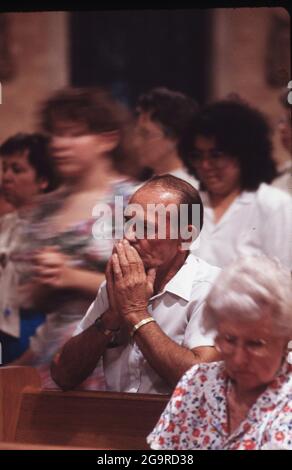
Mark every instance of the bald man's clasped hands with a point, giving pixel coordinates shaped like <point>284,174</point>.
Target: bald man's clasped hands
<point>129,286</point>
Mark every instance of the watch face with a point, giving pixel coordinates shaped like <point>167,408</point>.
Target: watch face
<point>100,327</point>
<point>112,334</point>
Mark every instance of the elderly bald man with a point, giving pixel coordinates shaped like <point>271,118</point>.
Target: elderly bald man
<point>145,321</point>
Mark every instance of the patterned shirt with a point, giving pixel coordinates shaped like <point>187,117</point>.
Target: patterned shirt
<point>196,415</point>
<point>11,229</point>
<point>84,250</point>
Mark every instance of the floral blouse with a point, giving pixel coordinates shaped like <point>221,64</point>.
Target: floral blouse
<point>196,415</point>
<point>11,228</point>
<point>85,251</point>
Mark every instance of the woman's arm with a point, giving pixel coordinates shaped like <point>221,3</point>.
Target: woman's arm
<point>53,269</point>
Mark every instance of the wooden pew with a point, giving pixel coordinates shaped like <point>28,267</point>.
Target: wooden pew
<point>13,381</point>
<point>99,420</point>
<point>18,446</point>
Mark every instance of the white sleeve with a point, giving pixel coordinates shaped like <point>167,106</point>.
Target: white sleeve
<point>96,309</point>
<point>277,232</point>
<point>194,334</point>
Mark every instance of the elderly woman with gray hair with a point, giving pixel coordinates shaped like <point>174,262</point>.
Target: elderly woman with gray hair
<point>244,401</point>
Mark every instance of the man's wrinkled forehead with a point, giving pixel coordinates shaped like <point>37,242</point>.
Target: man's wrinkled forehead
<point>147,202</point>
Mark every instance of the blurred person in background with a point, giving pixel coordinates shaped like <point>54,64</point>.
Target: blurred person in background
<point>162,117</point>
<point>88,134</point>
<point>228,148</point>
<point>27,172</point>
<point>243,402</point>
<point>5,207</point>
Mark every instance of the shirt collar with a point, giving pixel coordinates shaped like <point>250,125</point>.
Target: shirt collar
<point>245,197</point>
<point>182,282</point>
<point>215,396</point>
<point>274,393</point>
<point>267,404</point>
<point>215,393</point>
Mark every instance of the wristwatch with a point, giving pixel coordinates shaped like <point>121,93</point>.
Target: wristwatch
<point>108,332</point>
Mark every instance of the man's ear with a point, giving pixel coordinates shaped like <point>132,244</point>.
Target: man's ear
<point>187,236</point>
<point>109,140</point>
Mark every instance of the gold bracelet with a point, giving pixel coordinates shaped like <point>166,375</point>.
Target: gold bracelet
<point>141,323</point>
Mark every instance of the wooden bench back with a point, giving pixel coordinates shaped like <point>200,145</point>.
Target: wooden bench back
<point>13,382</point>
<point>102,420</point>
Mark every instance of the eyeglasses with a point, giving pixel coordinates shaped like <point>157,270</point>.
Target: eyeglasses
<point>215,157</point>
<point>226,344</point>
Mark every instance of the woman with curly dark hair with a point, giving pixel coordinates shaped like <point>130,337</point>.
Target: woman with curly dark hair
<point>228,148</point>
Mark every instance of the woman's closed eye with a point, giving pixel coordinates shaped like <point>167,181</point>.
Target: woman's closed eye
<point>256,344</point>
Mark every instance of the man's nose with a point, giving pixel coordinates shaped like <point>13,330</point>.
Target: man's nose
<point>130,234</point>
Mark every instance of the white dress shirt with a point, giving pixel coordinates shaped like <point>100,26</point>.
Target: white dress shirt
<point>284,181</point>
<point>177,310</point>
<point>256,222</point>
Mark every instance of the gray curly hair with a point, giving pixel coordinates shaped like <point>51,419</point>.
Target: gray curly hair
<point>243,290</point>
